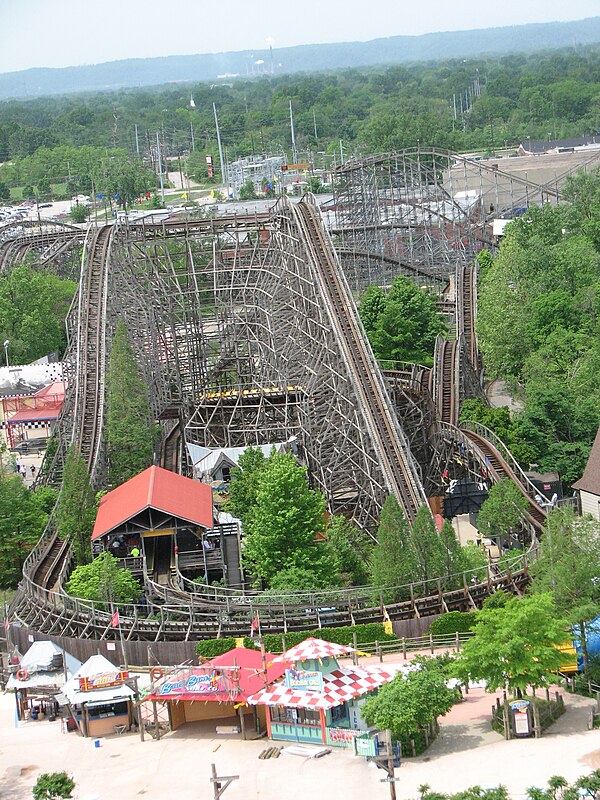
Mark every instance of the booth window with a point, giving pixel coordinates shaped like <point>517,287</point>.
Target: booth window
<point>339,713</point>
<point>108,710</point>
<point>289,716</point>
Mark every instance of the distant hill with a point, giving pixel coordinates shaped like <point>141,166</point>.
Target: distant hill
<point>318,57</point>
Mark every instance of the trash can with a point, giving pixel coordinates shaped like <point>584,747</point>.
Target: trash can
<point>96,742</point>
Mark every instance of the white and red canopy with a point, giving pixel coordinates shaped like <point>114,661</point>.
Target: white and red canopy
<point>314,648</point>
<point>339,686</point>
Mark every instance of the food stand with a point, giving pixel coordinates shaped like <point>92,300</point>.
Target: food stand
<point>40,676</point>
<point>217,691</point>
<point>319,701</point>
<point>99,699</point>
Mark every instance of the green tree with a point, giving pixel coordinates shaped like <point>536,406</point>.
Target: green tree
<point>23,516</point>
<point>44,188</point>
<point>103,581</point>
<point>79,213</point>
<point>33,307</point>
<point>123,178</point>
<point>130,435</point>
<point>4,192</point>
<point>351,550</point>
<point>247,190</point>
<point>410,703</point>
<point>393,559</point>
<point>402,325</point>
<point>568,566</point>
<point>452,558</point>
<point>76,510</point>
<point>53,786</point>
<point>514,646</point>
<point>427,547</point>
<point>282,529</point>
<point>501,512</point>
<point>245,479</point>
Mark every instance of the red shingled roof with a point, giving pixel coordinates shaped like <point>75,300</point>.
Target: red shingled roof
<point>155,488</point>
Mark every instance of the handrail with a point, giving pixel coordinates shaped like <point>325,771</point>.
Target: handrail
<point>486,433</point>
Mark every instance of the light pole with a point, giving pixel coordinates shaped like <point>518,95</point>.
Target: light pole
<point>6,343</point>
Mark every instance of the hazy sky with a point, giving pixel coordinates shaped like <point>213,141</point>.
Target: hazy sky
<point>59,33</point>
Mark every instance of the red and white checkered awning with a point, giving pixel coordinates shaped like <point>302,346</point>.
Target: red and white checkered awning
<point>339,686</point>
<point>314,648</point>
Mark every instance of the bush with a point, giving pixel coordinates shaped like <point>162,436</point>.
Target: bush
<point>211,648</point>
<point>79,213</point>
<point>52,786</point>
<point>371,632</point>
<point>454,622</point>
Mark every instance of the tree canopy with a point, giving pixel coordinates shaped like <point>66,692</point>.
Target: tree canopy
<point>280,533</point>
<point>568,566</point>
<point>402,325</point>
<point>103,581</point>
<point>514,646</point>
<point>500,514</point>
<point>23,517</point>
<point>411,702</point>
<point>76,510</point>
<point>33,307</point>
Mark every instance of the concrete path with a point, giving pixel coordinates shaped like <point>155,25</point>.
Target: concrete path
<point>466,753</point>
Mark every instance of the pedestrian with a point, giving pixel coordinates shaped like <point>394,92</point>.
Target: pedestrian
<point>33,471</point>
<point>23,471</point>
<point>17,467</point>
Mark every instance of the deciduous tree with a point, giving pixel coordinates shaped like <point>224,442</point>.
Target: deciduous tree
<point>411,702</point>
<point>515,646</point>
<point>103,581</point>
<point>568,566</point>
<point>282,529</point>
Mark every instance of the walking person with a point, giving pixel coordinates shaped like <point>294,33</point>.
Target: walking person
<point>33,472</point>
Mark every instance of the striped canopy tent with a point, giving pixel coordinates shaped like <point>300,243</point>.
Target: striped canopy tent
<point>314,649</point>
<point>339,686</point>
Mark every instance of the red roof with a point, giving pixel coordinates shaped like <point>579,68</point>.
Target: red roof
<point>34,415</point>
<point>229,678</point>
<point>155,488</point>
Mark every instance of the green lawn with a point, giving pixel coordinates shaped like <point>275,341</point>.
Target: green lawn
<point>59,191</point>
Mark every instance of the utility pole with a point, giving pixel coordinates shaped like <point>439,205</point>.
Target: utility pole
<point>223,165</point>
<point>137,142</point>
<point>160,171</point>
<point>294,153</point>
<point>192,132</point>
<point>315,124</point>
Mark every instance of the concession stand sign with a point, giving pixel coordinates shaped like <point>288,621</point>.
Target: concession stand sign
<point>193,684</point>
<point>104,680</point>
<point>304,680</point>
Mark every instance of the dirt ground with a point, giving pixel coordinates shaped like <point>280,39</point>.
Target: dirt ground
<point>466,753</point>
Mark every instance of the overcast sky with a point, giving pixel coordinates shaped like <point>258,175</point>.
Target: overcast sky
<point>59,33</point>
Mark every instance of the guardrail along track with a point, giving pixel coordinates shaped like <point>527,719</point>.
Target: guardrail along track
<point>89,396</point>
<point>446,400</point>
<point>395,460</point>
<point>48,560</point>
<point>500,467</point>
<point>466,307</point>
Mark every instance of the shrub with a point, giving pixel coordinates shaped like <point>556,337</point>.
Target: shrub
<point>454,622</point>
<point>371,632</point>
<point>211,648</point>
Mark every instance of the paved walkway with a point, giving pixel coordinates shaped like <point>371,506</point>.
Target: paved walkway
<point>466,753</point>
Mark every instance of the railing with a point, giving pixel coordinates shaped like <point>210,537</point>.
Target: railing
<point>491,437</point>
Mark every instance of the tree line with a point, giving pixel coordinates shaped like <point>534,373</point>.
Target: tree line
<point>544,95</point>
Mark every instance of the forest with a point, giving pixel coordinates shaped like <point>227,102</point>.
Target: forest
<point>500,101</point>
